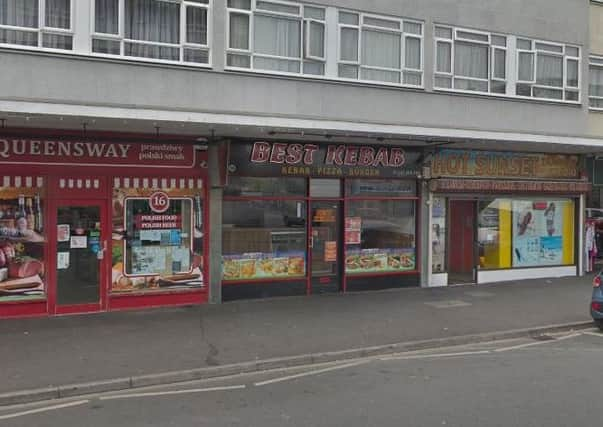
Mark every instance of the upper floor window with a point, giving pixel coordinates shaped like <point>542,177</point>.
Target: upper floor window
<point>548,70</point>
<point>174,30</point>
<point>470,60</point>
<point>595,88</point>
<point>276,36</point>
<point>380,49</point>
<point>37,23</point>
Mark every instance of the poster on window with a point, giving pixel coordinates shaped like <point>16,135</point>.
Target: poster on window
<point>263,265</point>
<point>379,260</point>
<point>157,251</point>
<point>537,233</point>
<point>22,243</point>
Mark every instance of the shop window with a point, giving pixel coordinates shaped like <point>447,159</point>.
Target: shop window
<point>325,188</point>
<point>438,235</point>
<point>380,187</point>
<point>278,36</point>
<point>265,187</point>
<point>543,232</point>
<point>157,240</point>
<point>494,234</point>
<point>514,233</point>
<point>22,244</point>
<point>380,236</point>
<point>175,31</point>
<point>263,239</point>
<point>20,23</point>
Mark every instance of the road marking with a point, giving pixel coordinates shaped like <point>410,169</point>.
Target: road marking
<point>315,372</point>
<point>448,303</point>
<point>172,392</point>
<point>44,409</point>
<point>594,334</point>
<point>437,355</point>
<point>532,344</point>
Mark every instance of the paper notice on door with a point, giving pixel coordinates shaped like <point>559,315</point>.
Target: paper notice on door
<point>63,232</point>
<point>79,242</point>
<point>62,260</point>
<point>150,235</point>
<point>331,251</point>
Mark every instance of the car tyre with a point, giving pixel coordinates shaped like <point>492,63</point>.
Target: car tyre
<point>599,323</point>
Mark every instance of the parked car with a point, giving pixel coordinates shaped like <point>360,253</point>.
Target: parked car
<point>596,304</point>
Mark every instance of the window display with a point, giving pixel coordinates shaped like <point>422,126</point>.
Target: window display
<point>387,236</point>
<point>494,234</point>
<point>543,232</point>
<point>525,233</point>
<point>22,243</point>
<point>157,239</point>
<point>263,239</point>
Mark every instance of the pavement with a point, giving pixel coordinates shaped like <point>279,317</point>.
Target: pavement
<point>52,352</point>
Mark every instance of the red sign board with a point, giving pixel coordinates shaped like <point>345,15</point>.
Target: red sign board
<point>95,153</point>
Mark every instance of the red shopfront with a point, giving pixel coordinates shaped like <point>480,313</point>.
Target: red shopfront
<point>100,223</point>
<point>311,218</point>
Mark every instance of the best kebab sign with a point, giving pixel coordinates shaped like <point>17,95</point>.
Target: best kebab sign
<point>95,153</point>
<point>334,160</point>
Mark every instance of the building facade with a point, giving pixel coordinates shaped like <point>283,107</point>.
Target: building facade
<point>595,96</point>
<point>177,152</point>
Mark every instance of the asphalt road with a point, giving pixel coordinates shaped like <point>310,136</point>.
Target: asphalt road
<point>528,382</point>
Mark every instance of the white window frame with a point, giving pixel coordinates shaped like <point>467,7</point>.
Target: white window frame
<point>565,88</point>
<point>43,29</point>
<point>120,37</point>
<point>304,38</point>
<point>492,48</point>
<point>595,61</point>
<point>403,37</point>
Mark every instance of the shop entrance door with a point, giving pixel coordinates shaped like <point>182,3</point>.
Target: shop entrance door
<point>325,246</point>
<point>80,256</point>
<point>461,250</point>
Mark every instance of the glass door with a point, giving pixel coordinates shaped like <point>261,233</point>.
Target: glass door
<point>80,254</point>
<point>325,246</point>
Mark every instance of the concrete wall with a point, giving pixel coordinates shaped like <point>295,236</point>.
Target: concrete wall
<point>65,79</point>
<point>595,119</point>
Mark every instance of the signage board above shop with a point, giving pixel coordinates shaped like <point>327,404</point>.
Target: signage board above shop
<point>262,158</point>
<point>494,164</point>
<point>450,185</point>
<point>65,151</point>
